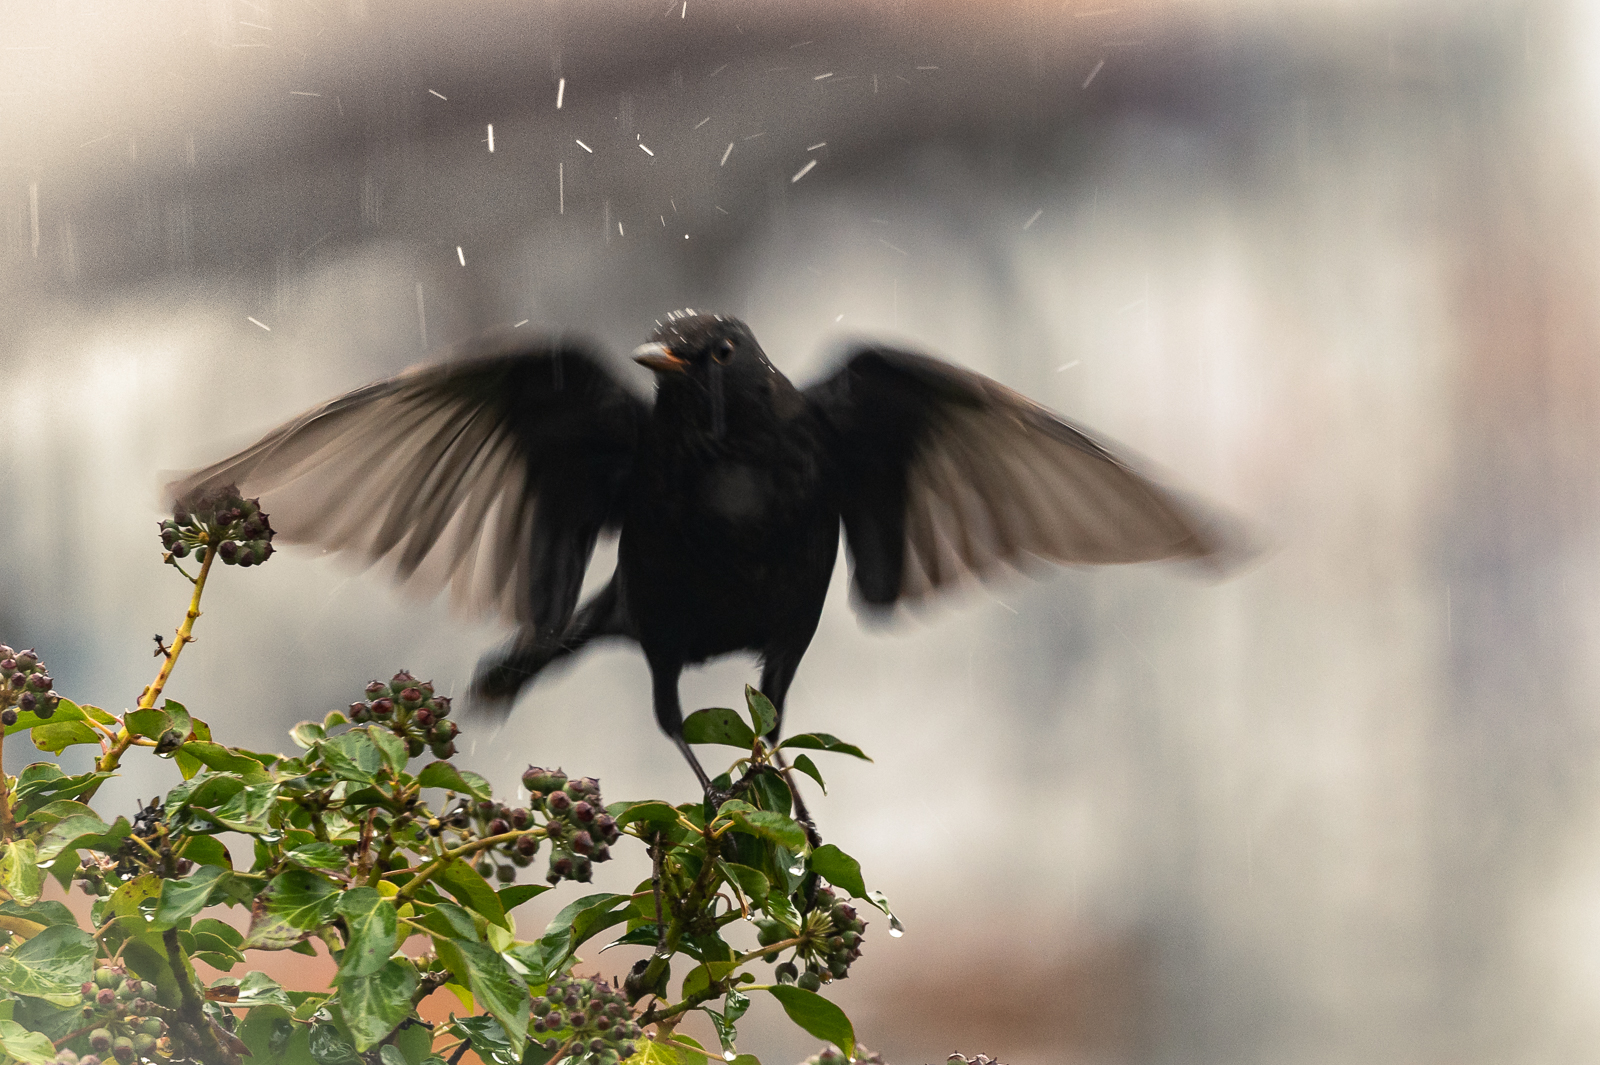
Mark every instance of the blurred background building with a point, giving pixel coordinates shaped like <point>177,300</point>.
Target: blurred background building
<point>1331,264</point>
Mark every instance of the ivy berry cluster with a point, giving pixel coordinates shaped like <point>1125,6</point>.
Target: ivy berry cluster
<point>119,1005</point>
<point>832,1055</point>
<point>238,528</point>
<point>594,1014</point>
<point>579,829</point>
<point>412,711</point>
<point>830,940</point>
<point>496,819</point>
<point>24,685</point>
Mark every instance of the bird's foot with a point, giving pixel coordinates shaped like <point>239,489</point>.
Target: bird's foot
<point>715,797</point>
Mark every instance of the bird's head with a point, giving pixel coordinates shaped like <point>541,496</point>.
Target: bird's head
<point>698,346</point>
<point>707,360</point>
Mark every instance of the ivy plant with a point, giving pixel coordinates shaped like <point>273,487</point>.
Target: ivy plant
<point>372,841</point>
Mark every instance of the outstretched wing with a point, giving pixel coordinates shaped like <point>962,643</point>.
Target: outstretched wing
<point>492,473</point>
<point>946,476</point>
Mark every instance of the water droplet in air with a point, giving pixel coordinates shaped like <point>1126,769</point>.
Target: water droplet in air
<point>749,917</point>
<point>896,929</point>
<point>728,1055</point>
<point>797,868</point>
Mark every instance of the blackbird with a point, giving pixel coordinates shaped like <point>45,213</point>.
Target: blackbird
<point>496,472</point>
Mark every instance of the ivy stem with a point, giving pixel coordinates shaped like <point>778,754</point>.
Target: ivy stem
<point>427,872</point>
<point>109,761</point>
<point>191,1012</point>
<point>7,826</point>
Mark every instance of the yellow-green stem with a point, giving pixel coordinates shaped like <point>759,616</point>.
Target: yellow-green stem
<point>125,739</point>
<point>7,825</point>
<point>428,871</point>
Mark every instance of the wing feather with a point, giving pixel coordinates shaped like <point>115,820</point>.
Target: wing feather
<point>947,477</point>
<point>492,474</point>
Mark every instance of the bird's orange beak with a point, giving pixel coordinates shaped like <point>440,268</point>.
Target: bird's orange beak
<point>659,358</point>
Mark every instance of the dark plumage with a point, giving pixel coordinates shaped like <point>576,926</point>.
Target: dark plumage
<point>496,474</point>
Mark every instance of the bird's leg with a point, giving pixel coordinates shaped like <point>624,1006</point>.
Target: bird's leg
<point>669,715</point>
<point>499,681</point>
<point>777,673</point>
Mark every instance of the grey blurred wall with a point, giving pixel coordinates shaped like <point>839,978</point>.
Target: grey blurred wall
<point>1329,264</point>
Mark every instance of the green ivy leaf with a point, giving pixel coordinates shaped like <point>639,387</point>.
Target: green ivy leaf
<point>754,885</point>
<point>446,776</point>
<point>515,895</point>
<point>765,824</point>
<point>762,713</point>
<point>719,725</point>
<point>53,965</point>
<point>816,1015</point>
<point>43,783</point>
<point>373,934</point>
<point>577,921</point>
<point>67,834</point>
<point>182,899</point>
<point>821,741</point>
<point>223,759</point>
<point>20,874</point>
<point>31,1048</point>
<point>207,850</point>
<point>274,1039</point>
<point>626,813</point>
<point>803,764</point>
<point>307,734</point>
<point>374,1005</point>
<point>839,869</point>
<point>472,891</point>
<point>329,1048</point>
<point>392,747</point>
<point>248,811</point>
<point>295,902</point>
<point>703,976</point>
<point>56,736</point>
<point>495,986</point>
<point>352,756</point>
<point>318,855</point>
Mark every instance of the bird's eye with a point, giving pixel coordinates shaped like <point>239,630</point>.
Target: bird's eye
<point>723,351</point>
